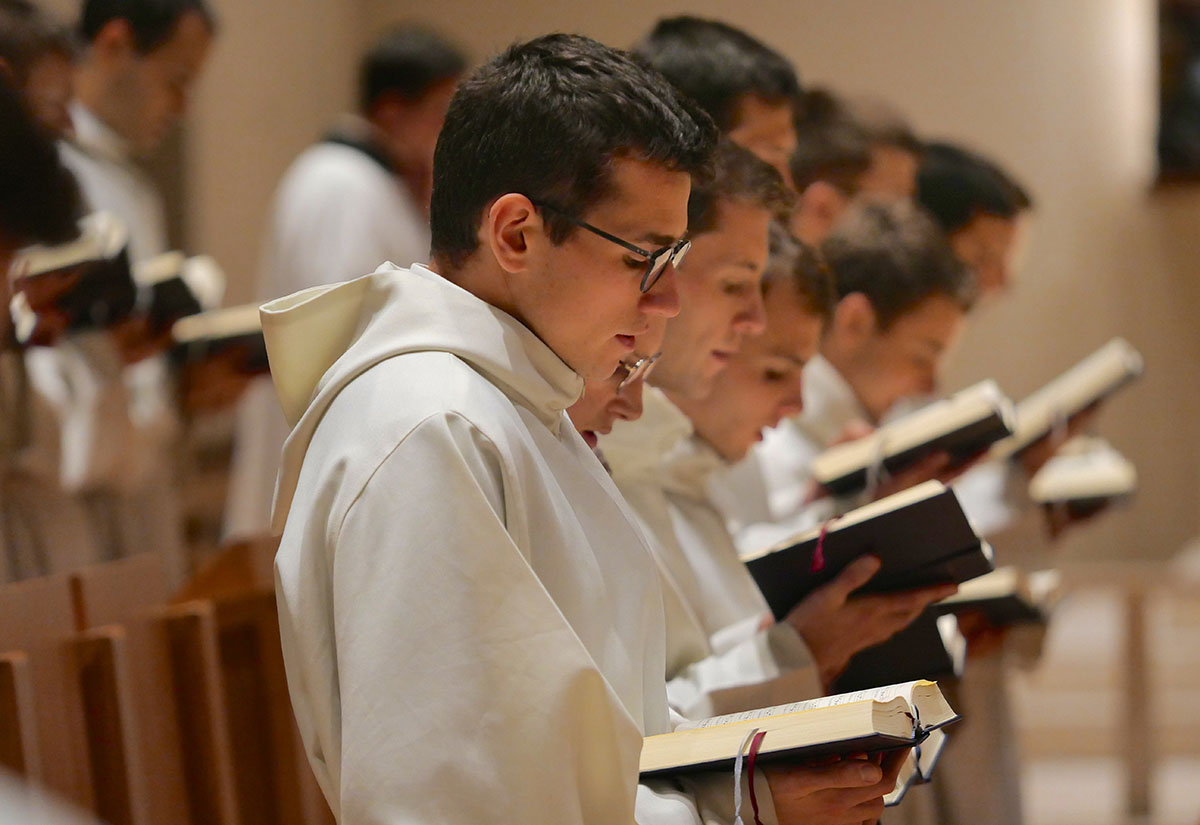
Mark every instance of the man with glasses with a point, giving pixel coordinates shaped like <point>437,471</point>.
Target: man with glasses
<point>471,621</point>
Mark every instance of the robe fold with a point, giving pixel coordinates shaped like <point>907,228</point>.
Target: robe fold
<point>471,621</point>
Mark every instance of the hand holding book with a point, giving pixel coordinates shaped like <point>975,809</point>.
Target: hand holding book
<point>847,792</point>
<point>835,624</point>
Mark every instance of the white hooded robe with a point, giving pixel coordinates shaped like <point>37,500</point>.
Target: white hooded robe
<point>472,625</point>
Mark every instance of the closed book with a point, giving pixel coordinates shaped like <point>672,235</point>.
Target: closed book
<point>931,647</point>
<point>921,536</point>
<point>100,289</point>
<point>1093,379</point>
<point>1007,596</point>
<point>963,426</point>
<point>174,286</point>
<point>888,718</point>
<point>1085,475</point>
<point>232,329</point>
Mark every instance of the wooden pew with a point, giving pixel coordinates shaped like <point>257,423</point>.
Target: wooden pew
<point>274,781</point>
<point>43,736</point>
<point>175,718</point>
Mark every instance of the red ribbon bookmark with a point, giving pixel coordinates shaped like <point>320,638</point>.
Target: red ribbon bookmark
<point>751,758</point>
<point>818,560</point>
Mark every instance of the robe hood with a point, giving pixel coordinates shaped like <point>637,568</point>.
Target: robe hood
<point>320,339</point>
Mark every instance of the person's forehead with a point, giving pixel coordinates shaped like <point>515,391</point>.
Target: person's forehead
<point>646,202</point>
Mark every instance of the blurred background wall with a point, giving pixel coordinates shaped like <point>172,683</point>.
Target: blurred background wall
<point>1064,93</point>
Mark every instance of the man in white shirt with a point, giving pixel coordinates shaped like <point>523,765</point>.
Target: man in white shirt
<point>724,651</point>
<point>902,298</point>
<point>471,621</point>
<point>117,418</point>
<point>357,198</point>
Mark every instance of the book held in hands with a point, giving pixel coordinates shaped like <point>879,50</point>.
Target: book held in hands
<point>233,329</point>
<point>963,426</point>
<point>1007,596</point>
<point>1084,476</point>
<point>1093,379</point>
<point>921,536</point>
<point>880,720</point>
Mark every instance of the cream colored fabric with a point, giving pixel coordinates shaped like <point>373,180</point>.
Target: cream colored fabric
<point>776,470</point>
<point>471,621</point>
<point>337,214</point>
<point>111,429</point>
<point>723,652</point>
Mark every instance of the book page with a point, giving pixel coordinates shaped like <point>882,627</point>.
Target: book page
<point>886,693</point>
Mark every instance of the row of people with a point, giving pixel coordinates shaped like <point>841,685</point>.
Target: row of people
<point>452,551</point>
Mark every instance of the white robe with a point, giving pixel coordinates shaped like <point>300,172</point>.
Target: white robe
<point>471,622</point>
<point>724,653</point>
<point>338,214</point>
<point>764,497</point>
<point>113,428</point>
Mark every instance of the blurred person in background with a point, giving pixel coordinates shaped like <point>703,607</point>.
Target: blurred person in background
<point>357,198</point>
<point>39,203</point>
<point>37,55</point>
<point>896,150</point>
<point>116,421</point>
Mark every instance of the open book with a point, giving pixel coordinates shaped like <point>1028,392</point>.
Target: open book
<point>90,277</point>
<point>931,647</point>
<point>963,425</point>
<point>1086,474</point>
<point>921,536</point>
<point>220,330</point>
<point>1007,596</point>
<point>1094,378</point>
<point>883,719</point>
<point>173,286</point>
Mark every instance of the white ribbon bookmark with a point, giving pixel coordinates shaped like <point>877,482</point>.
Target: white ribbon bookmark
<point>737,777</point>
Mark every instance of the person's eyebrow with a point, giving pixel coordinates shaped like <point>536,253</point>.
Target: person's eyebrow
<point>933,343</point>
<point>658,240</point>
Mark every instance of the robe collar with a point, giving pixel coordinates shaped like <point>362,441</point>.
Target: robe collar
<point>96,138</point>
<point>321,339</point>
<point>829,403</point>
<point>635,449</point>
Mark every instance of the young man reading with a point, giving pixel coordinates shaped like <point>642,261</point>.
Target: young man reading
<point>471,622</point>
<point>724,654</point>
<point>902,297</point>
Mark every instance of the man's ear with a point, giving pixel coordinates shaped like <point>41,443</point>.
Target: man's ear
<point>512,228</point>
<point>114,41</point>
<point>821,204</point>
<point>854,317</point>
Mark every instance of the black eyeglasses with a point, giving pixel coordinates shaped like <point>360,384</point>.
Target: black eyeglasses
<point>639,369</point>
<point>656,261</point>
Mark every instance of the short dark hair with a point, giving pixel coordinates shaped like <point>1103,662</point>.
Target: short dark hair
<point>153,21</point>
<point>39,198</point>
<point>955,185</point>
<point>27,35</point>
<point>717,65</point>
<point>831,145</point>
<point>407,60</point>
<point>885,124</point>
<point>895,255</point>
<point>799,266</point>
<point>547,118</point>
<point>737,174</point>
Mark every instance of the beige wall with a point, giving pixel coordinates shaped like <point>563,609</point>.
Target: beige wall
<point>279,71</point>
<point>1063,93</point>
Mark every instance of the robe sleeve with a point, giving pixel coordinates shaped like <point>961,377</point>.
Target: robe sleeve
<point>461,693</point>
<point>750,668</point>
